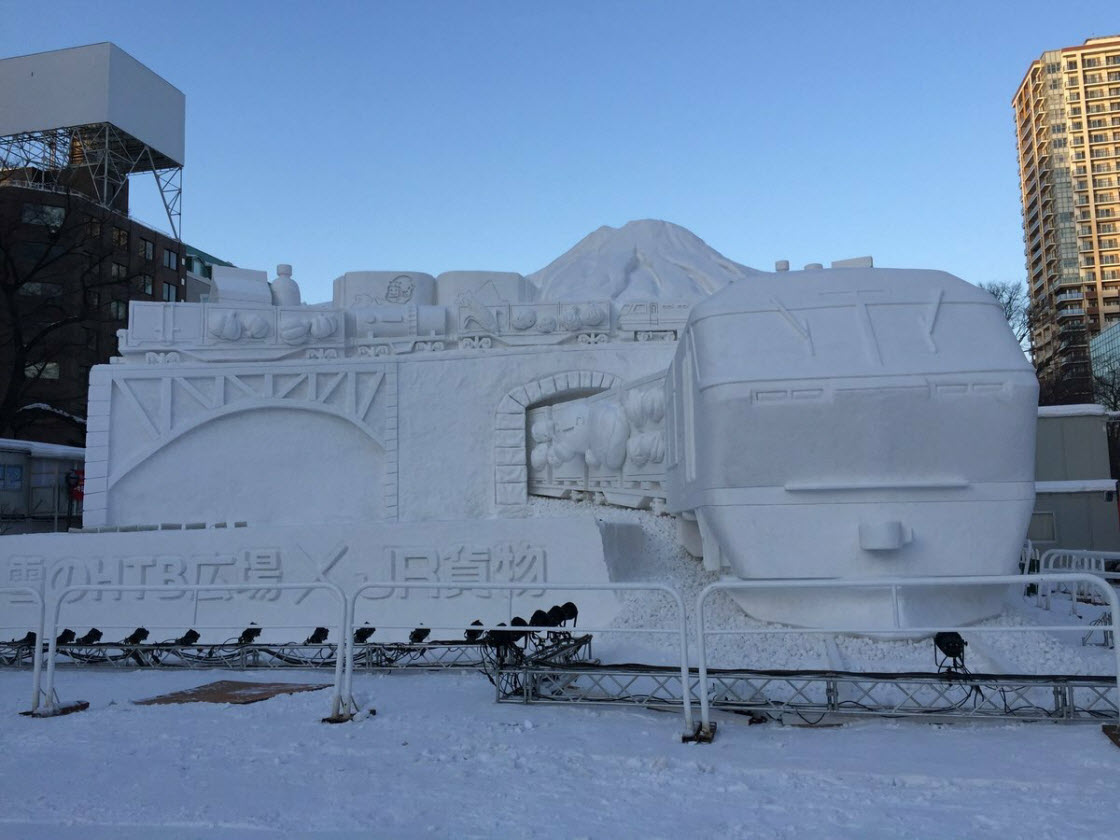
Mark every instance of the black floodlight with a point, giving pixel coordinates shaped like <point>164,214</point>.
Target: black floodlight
<point>90,638</point>
<point>497,638</point>
<point>951,647</point>
<point>66,637</point>
<point>556,616</point>
<point>191,637</point>
<point>28,640</point>
<point>540,619</point>
<point>136,637</point>
<point>950,644</point>
<point>418,635</point>
<point>570,611</point>
<point>518,621</point>
<point>362,634</point>
<point>318,637</point>
<point>249,635</point>
<point>473,635</point>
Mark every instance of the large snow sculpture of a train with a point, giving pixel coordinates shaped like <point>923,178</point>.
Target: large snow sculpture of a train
<point>853,422</point>
<point>845,422</point>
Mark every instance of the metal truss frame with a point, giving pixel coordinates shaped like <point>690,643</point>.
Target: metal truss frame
<point>434,656</point>
<point>107,154</point>
<point>945,696</point>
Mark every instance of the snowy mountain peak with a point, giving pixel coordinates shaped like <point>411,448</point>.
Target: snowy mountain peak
<point>642,260</point>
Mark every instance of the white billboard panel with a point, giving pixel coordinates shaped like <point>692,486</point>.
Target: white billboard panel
<point>94,84</point>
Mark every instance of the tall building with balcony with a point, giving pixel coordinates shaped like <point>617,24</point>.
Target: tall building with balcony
<point>1067,117</point>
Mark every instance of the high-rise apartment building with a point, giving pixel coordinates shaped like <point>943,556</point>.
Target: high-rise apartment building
<point>1067,116</point>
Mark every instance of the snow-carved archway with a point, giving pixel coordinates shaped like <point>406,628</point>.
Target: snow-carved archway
<point>511,472</point>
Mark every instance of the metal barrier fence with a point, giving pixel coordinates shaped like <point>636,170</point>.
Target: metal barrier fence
<point>894,585</point>
<point>681,630</point>
<point>37,655</point>
<point>342,705</point>
<point>1058,560</point>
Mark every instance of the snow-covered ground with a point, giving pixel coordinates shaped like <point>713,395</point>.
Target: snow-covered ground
<point>442,759</point>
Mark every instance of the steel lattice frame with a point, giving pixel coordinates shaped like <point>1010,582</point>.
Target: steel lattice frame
<point>436,656</point>
<point>105,153</point>
<point>826,693</point>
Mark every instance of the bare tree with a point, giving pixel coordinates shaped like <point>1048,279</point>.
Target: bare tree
<point>1013,297</point>
<point>1106,387</point>
<point>62,294</point>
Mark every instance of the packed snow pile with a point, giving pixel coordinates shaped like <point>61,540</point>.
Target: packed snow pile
<point>665,561</point>
<point>642,260</point>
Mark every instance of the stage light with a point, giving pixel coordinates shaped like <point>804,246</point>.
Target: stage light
<point>318,637</point>
<point>418,635</point>
<point>540,619</point>
<point>249,635</point>
<point>556,616</point>
<point>66,637</point>
<point>362,634</point>
<point>473,635</point>
<point>136,637</point>
<point>571,612</point>
<point>90,638</point>
<point>28,640</point>
<point>951,646</point>
<point>497,638</point>
<point>189,638</point>
<point>518,621</point>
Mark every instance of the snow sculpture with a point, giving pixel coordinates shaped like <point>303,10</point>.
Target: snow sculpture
<point>844,422</point>
<point>285,290</point>
<point>836,423</point>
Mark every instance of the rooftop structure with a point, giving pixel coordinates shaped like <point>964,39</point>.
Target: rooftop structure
<point>88,117</point>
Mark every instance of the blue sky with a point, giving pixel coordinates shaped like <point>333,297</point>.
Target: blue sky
<point>433,136</point>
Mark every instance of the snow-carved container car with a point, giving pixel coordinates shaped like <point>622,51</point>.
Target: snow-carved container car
<point>654,320</point>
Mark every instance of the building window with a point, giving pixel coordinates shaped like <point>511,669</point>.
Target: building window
<point>170,259</point>
<point>11,477</point>
<point>144,284</point>
<point>40,289</point>
<point>118,310</point>
<point>147,249</point>
<point>43,214</point>
<point>42,370</point>
<point>120,238</point>
<point>118,271</point>
<point>170,293</point>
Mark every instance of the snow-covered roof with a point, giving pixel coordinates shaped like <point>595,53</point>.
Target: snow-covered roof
<point>1092,485</point>
<point>1082,410</point>
<point>43,450</point>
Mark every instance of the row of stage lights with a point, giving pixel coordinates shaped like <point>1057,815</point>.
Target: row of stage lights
<point>556,617</point>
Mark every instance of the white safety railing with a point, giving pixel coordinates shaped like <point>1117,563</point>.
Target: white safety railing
<point>37,655</point>
<point>893,585</point>
<point>1028,558</point>
<point>341,704</point>
<point>1058,560</point>
<point>681,630</point>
